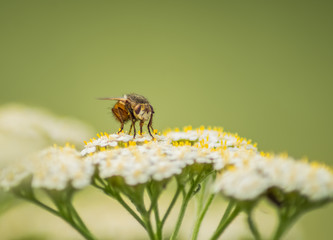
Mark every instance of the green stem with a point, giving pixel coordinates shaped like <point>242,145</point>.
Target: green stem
<point>201,198</point>
<point>148,225</point>
<point>281,228</point>
<point>121,201</point>
<point>63,201</point>
<point>77,218</point>
<point>129,209</point>
<point>253,227</point>
<point>144,220</point>
<point>153,196</point>
<point>100,181</point>
<point>285,223</point>
<point>201,217</point>
<point>185,202</point>
<point>65,215</point>
<point>173,201</point>
<point>226,213</point>
<point>84,232</point>
<point>224,223</point>
<point>159,234</point>
<point>180,216</point>
<point>45,207</point>
<point>158,223</point>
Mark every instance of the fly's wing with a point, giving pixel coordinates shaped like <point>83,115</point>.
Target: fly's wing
<point>113,98</point>
<point>121,100</point>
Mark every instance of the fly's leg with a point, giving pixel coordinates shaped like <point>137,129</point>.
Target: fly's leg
<point>150,125</point>
<point>133,124</point>
<point>141,125</point>
<point>130,130</point>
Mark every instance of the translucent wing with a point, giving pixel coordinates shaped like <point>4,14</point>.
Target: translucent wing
<point>113,98</point>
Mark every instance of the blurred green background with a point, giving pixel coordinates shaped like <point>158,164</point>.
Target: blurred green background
<point>262,69</point>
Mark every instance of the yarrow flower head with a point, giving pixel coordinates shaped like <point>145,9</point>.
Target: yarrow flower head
<point>54,168</point>
<point>209,138</point>
<point>242,184</point>
<point>138,160</point>
<point>141,163</point>
<point>240,179</point>
<point>258,173</point>
<point>312,180</point>
<point>110,141</point>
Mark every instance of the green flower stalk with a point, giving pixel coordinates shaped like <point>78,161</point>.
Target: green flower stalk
<point>59,173</point>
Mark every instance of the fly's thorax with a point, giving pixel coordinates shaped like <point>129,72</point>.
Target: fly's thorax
<point>142,112</point>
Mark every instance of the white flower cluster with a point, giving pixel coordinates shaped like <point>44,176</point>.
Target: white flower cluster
<point>258,173</point>
<point>237,157</point>
<point>53,168</point>
<point>12,175</point>
<point>109,141</point>
<point>244,173</point>
<point>210,138</point>
<point>139,159</point>
<point>155,160</point>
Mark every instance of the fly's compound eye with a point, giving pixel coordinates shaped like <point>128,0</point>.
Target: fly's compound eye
<point>137,109</point>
